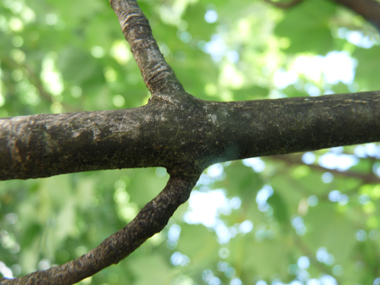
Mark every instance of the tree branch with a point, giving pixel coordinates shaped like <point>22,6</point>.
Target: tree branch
<point>157,74</point>
<point>368,9</point>
<point>284,5</point>
<point>150,220</point>
<point>174,130</point>
<point>189,131</point>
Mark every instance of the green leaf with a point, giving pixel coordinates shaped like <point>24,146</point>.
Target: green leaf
<point>307,27</point>
<point>280,211</point>
<point>76,65</point>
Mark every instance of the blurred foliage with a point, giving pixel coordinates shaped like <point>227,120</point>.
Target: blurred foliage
<point>302,219</point>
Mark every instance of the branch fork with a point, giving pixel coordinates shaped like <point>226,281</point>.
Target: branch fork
<point>174,130</point>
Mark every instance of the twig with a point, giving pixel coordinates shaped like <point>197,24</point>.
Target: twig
<point>368,9</point>
<point>150,220</point>
<point>283,5</point>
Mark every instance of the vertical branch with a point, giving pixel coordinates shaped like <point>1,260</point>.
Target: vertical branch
<point>150,220</point>
<point>157,74</point>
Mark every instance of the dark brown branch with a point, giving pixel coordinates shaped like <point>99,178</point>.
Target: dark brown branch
<point>157,74</point>
<point>368,9</point>
<point>284,5</point>
<point>150,220</point>
<point>190,131</point>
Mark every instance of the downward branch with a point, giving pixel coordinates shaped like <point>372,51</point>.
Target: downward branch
<point>150,220</point>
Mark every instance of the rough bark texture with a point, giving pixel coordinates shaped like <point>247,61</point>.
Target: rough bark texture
<point>157,74</point>
<point>174,130</point>
<point>183,132</point>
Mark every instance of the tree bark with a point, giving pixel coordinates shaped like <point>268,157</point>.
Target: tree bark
<point>174,130</point>
<point>185,131</point>
<point>157,74</point>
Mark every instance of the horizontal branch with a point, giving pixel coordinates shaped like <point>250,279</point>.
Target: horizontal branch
<point>150,220</point>
<point>188,131</point>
